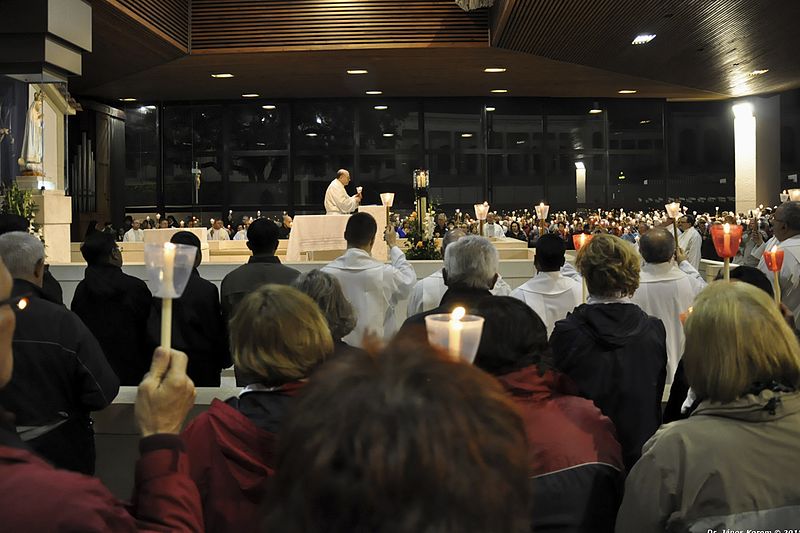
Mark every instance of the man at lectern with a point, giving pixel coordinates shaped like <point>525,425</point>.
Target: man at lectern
<point>336,199</point>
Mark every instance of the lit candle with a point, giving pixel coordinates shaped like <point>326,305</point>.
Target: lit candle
<point>167,277</point>
<point>454,335</point>
<point>726,239</point>
<point>258,214</point>
<point>359,189</point>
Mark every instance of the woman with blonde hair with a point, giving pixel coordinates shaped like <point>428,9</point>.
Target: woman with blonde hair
<point>278,336</point>
<point>614,352</point>
<point>732,465</point>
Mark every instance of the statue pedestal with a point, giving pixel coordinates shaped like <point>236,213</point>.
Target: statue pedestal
<point>35,183</point>
<point>54,216</point>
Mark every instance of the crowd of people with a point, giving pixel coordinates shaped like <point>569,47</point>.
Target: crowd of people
<point>350,421</point>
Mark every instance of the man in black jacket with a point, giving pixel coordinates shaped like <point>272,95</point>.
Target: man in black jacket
<point>262,268</point>
<point>51,289</point>
<point>60,373</point>
<point>115,307</point>
<point>197,326</point>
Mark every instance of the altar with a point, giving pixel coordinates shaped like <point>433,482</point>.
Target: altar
<point>325,233</point>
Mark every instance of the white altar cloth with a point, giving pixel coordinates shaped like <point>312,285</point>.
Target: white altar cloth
<point>319,233</point>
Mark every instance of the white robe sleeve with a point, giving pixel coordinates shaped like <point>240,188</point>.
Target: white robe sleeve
<point>403,276</point>
<point>415,299</point>
<point>697,281</point>
<point>501,288</point>
<point>693,249</point>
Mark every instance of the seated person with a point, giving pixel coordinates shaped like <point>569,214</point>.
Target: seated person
<point>574,459</point>
<point>732,465</point>
<point>278,337</point>
<point>407,441</point>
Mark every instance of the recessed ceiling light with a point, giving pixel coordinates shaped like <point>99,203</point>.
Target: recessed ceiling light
<point>222,75</point>
<point>499,91</point>
<point>388,134</point>
<point>643,38</point>
<point>595,111</point>
<point>261,144</point>
<point>490,109</point>
<point>644,122</point>
<point>268,107</point>
<point>150,107</point>
<point>520,142</point>
<point>354,71</point>
<point>250,95</point>
<point>759,72</point>
<point>374,93</point>
<point>127,99</point>
<point>381,107</point>
<point>493,70</point>
<point>628,91</point>
<point>466,135</point>
<point>311,134</point>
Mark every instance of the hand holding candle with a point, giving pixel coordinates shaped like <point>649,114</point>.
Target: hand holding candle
<point>726,239</point>
<point>457,332</point>
<point>168,269</point>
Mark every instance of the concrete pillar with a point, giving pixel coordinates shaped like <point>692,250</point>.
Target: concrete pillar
<point>757,132</point>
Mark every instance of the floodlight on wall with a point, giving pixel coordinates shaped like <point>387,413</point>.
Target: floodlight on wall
<point>743,110</point>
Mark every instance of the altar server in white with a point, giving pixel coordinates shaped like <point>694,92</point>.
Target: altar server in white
<point>372,287</point>
<point>666,289</point>
<point>427,293</point>
<point>493,228</point>
<point>690,240</point>
<point>135,234</point>
<point>337,200</point>
<point>218,232</point>
<point>786,231</point>
<point>550,293</point>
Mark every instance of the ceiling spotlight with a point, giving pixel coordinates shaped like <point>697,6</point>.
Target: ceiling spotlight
<point>490,109</point>
<point>466,135</point>
<point>268,107</point>
<point>499,91</point>
<point>644,122</point>
<point>628,91</point>
<point>250,95</point>
<point>494,70</point>
<point>644,38</point>
<point>759,72</point>
<point>374,93</point>
<point>595,110</point>
<point>311,134</point>
<point>388,134</point>
<point>222,75</point>
<point>743,110</point>
<point>355,71</point>
<point>381,107</point>
<point>520,142</point>
<point>127,99</point>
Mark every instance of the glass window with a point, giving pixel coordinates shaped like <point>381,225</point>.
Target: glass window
<point>462,184</point>
<point>259,180</point>
<point>637,179</point>
<point>635,125</point>
<point>453,125</point>
<point>571,128</point>
<point>516,179</point>
<point>388,173</point>
<point>390,125</point>
<point>323,126</point>
<point>515,125</point>
<point>141,155</point>
<point>257,128</point>
<point>568,185</point>
<point>313,174</point>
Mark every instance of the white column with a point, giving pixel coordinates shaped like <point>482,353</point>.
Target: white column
<point>580,182</point>
<point>757,152</point>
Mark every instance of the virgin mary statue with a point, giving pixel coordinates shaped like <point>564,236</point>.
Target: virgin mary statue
<point>31,160</point>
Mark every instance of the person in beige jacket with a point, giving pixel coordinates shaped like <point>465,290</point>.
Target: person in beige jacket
<point>733,464</point>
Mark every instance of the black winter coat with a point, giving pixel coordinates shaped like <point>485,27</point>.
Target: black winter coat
<point>115,307</point>
<point>60,377</point>
<point>617,355</point>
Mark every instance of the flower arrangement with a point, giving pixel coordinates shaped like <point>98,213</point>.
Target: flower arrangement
<point>422,245</point>
<point>16,201</point>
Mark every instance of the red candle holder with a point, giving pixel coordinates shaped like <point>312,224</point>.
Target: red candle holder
<point>726,242</point>
<point>774,259</point>
<point>580,240</point>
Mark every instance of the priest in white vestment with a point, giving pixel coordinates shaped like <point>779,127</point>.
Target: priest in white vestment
<point>690,240</point>
<point>218,232</point>
<point>337,201</point>
<point>135,234</point>
<point>427,293</point>
<point>786,231</point>
<point>667,289</point>
<point>550,293</point>
<point>372,287</point>
<point>493,228</point>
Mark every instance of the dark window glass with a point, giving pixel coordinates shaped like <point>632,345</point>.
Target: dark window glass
<point>637,179</point>
<point>389,125</point>
<point>323,126</point>
<point>313,174</point>
<point>388,173</point>
<point>453,125</point>
<point>259,180</point>
<point>564,180</point>
<point>256,128</point>
<point>516,179</point>
<point>141,155</point>
<point>515,132</point>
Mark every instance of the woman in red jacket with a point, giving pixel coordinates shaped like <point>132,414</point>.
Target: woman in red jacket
<point>575,462</point>
<point>278,337</point>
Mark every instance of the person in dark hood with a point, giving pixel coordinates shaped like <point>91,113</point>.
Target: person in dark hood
<point>197,326</point>
<point>278,337</point>
<point>51,289</point>
<point>115,307</point>
<point>615,352</point>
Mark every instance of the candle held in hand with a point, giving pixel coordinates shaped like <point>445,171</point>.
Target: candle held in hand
<point>455,329</point>
<point>726,239</point>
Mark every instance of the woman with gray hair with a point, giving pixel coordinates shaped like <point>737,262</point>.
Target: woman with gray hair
<point>327,292</point>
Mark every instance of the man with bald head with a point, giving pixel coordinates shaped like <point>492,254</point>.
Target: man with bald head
<point>786,230</point>
<point>667,289</point>
<point>427,293</point>
<point>337,201</point>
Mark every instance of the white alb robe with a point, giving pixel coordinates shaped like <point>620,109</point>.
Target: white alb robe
<point>374,289</point>
<point>691,243</point>
<point>551,295</point>
<point>665,291</point>
<point>241,235</point>
<point>337,201</point>
<point>790,271</point>
<point>133,235</point>
<point>218,235</point>
<point>427,293</point>
<point>493,230</point>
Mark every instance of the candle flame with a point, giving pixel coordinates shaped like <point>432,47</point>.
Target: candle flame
<point>22,304</point>
<point>458,313</point>
<point>774,249</point>
<point>726,228</point>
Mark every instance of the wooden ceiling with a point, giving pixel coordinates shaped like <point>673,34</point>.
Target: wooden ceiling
<point>575,48</point>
